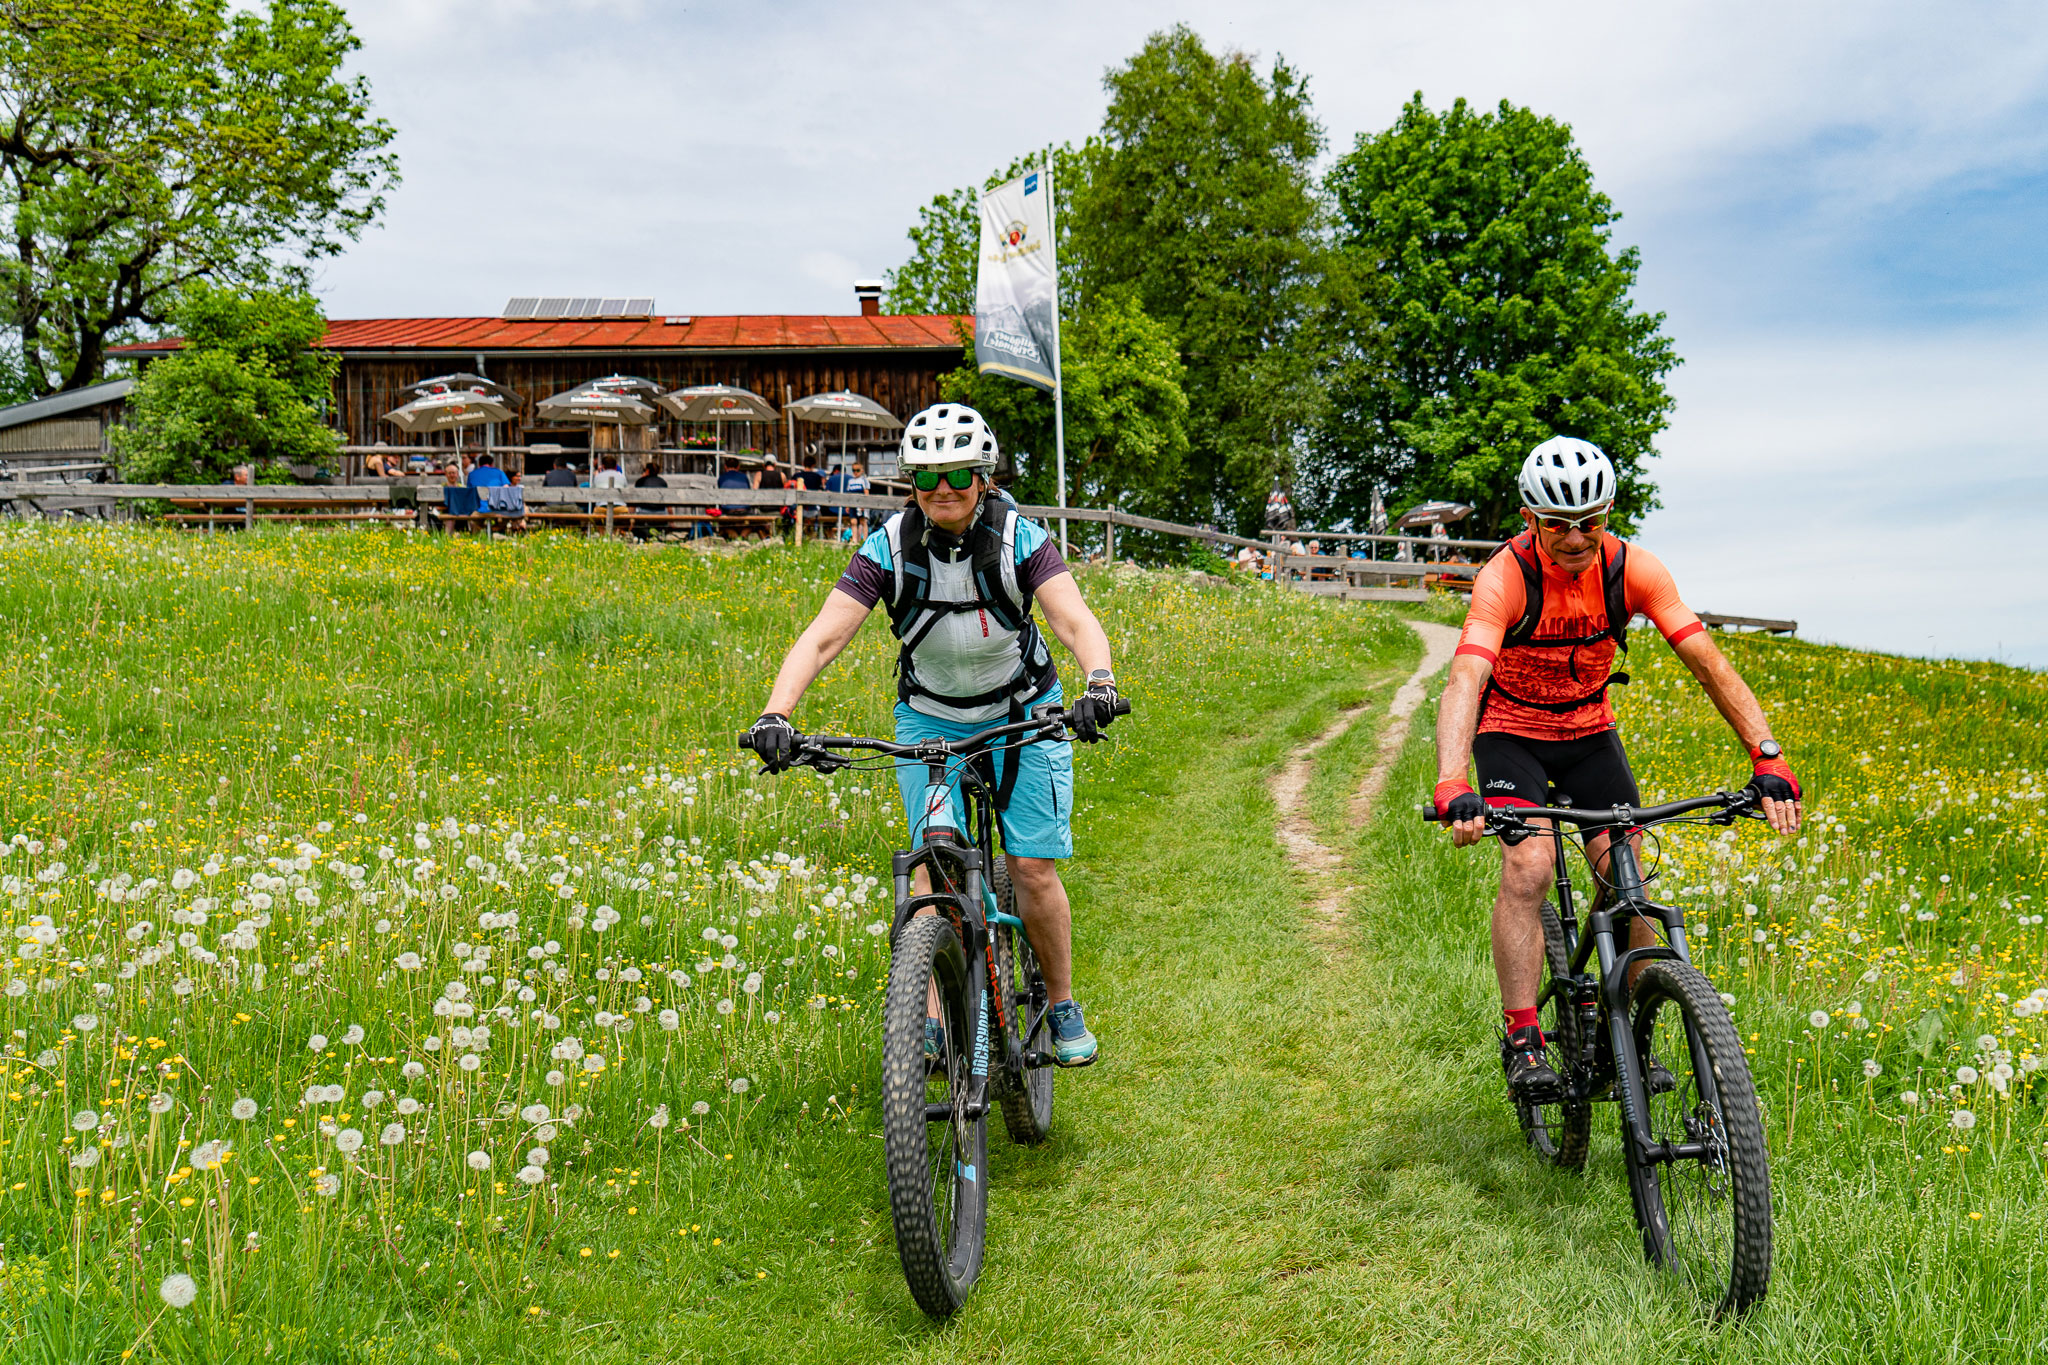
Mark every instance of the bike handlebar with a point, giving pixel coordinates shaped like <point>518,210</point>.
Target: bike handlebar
<point>1742,802</point>
<point>1049,718</point>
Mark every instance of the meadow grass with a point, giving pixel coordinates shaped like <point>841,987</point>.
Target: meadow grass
<point>324,755</point>
<point>402,953</point>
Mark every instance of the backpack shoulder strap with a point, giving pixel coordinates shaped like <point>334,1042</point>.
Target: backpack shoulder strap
<point>1523,549</point>
<point>1615,585</point>
<point>904,540</point>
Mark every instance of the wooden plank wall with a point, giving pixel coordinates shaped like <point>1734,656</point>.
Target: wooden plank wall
<point>901,381</point>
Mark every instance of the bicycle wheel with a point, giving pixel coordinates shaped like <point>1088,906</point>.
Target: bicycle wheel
<point>1027,1104</point>
<point>1706,1216</point>
<point>938,1170</point>
<point>1560,1131</point>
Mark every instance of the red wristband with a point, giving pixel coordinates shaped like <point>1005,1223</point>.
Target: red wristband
<point>1448,791</point>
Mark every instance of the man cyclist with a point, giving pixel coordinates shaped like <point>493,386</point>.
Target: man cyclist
<point>958,571</point>
<point>1527,700</point>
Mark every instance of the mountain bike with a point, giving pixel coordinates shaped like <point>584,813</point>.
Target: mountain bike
<point>963,981</point>
<point>1663,1046</point>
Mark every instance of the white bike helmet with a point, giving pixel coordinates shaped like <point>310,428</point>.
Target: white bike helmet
<point>1567,475</point>
<point>948,436</point>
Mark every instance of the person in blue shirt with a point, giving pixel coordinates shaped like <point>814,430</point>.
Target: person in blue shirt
<point>735,477</point>
<point>487,474</point>
<point>970,655</point>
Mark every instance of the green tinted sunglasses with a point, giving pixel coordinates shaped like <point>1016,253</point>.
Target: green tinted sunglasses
<point>927,480</point>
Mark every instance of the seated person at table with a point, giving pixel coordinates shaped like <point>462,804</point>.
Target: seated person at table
<point>650,477</point>
<point>734,477</point>
<point>374,464</point>
<point>563,475</point>
<point>487,474</point>
<point>610,476</point>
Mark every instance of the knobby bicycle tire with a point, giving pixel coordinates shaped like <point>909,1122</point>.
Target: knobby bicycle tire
<point>1027,1105</point>
<point>1559,1132</point>
<point>938,1172</point>
<point>1707,1219</point>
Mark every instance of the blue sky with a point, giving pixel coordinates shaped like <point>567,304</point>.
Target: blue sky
<point>1841,208</point>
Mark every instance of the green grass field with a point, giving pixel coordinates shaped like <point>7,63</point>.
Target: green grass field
<point>401,952</point>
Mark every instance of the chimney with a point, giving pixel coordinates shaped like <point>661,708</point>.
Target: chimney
<point>869,293</point>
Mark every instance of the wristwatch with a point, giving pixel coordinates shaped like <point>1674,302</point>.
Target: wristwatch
<point>1768,749</point>
<point>1102,677</point>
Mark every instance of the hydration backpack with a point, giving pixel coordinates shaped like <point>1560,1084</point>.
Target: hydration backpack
<point>1522,634</point>
<point>991,546</point>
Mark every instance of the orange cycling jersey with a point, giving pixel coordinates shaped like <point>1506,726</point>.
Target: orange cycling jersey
<point>1533,684</point>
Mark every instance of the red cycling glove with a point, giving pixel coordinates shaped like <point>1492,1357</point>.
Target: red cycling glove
<point>1455,800</point>
<point>1773,777</point>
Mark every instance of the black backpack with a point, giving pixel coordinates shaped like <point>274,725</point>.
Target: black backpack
<point>1522,634</point>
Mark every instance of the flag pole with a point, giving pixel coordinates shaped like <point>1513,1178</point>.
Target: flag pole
<point>1059,406</point>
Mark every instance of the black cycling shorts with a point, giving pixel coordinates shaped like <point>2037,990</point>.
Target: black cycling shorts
<point>1591,773</point>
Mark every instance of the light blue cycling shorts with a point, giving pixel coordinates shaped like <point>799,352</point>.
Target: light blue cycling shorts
<point>1038,822</point>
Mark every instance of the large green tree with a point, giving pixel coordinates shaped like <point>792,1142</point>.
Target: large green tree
<point>1200,199</point>
<point>1126,412</point>
<point>1485,309</point>
<point>247,387</point>
<point>145,144</point>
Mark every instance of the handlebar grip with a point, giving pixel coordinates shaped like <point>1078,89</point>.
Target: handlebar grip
<point>1428,811</point>
<point>747,739</point>
<point>1122,707</point>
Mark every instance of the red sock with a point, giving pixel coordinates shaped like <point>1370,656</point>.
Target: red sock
<point>1518,1019</point>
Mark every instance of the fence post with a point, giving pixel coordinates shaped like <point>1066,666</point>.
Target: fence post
<point>1109,537</point>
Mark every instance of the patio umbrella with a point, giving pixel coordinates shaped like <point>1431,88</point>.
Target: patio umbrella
<point>848,410</point>
<point>449,383</point>
<point>618,400</point>
<point>718,403</point>
<point>1433,514</point>
<point>450,411</point>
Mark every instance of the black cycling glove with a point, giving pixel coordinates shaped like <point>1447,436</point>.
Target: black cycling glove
<point>775,740</point>
<point>1091,714</point>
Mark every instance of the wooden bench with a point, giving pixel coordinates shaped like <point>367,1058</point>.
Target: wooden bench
<point>1716,621</point>
<point>225,511</point>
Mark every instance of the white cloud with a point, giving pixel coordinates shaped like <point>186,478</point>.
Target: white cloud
<point>1881,492</point>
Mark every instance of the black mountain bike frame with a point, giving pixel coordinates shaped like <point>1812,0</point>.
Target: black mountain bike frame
<point>1608,1066</point>
<point>959,868</point>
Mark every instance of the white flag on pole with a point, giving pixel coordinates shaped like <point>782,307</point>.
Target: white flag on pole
<point>1015,327</point>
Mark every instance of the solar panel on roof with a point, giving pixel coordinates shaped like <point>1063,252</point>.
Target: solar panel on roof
<point>611,308</point>
<point>550,308</point>
<point>584,308</point>
<point>639,308</point>
<point>521,308</point>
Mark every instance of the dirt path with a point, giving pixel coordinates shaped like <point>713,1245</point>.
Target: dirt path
<point>1290,784</point>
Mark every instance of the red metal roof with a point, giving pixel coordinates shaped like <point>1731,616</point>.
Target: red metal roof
<point>759,332</point>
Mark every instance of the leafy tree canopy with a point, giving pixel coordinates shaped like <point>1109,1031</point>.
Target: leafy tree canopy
<point>145,144</point>
<point>247,387</point>
<point>1126,412</point>
<point>1483,311</point>
<point>1199,198</point>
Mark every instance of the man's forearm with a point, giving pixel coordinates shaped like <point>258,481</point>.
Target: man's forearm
<point>1457,717</point>
<point>1731,696</point>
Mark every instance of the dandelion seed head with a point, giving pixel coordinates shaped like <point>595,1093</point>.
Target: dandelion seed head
<point>178,1290</point>
<point>478,1161</point>
<point>348,1140</point>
